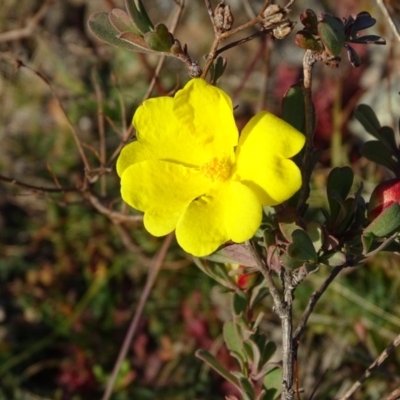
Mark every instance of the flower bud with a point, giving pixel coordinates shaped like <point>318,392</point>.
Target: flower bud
<point>383,196</point>
<point>244,280</point>
<point>282,30</point>
<point>223,17</point>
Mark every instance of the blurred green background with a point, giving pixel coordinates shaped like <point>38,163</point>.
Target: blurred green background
<point>71,277</point>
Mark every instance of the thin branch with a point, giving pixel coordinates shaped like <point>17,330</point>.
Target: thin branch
<point>151,278</point>
<point>283,308</point>
<point>389,18</point>
<point>114,216</point>
<point>395,395</point>
<point>220,36</point>
<point>313,301</point>
<point>26,31</point>
<point>267,273</point>
<point>211,14</point>
<point>382,357</point>
<point>38,188</point>
<point>239,42</point>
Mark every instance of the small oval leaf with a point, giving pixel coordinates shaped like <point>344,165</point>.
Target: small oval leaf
<point>121,22</point>
<point>332,34</point>
<point>386,223</point>
<point>302,248</point>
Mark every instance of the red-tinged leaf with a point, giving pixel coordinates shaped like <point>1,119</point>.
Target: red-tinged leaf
<point>137,42</point>
<point>306,40</point>
<point>309,19</point>
<point>121,21</point>
<point>234,254</point>
<point>102,28</point>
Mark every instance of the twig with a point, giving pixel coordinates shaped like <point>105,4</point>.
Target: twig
<point>211,14</point>
<point>239,42</point>
<point>220,36</point>
<point>114,216</point>
<point>312,303</point>
<point>288,354</point>
<point>395,395</point>
<point>26,31</point>
<point>283,308</point>
<point>151,278</point>
<point>389,18</point>
<point>382,357</point>
<point>38,188</point>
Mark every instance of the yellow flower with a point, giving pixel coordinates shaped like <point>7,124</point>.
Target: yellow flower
<point>190,171</point>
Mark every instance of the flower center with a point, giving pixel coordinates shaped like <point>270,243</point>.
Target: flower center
<point>217,169</point>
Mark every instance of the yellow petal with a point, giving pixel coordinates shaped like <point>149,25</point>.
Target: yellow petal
<point>262,155</point>
<point>230,211</point>
<point>208,111</point>
<point>190,128</point>
<point>160,137</point>
<point>162,190</point>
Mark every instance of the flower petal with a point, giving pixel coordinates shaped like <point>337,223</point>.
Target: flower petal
<point>262,155</point>
<point>160,137</point>
<point>191,128</point>
<point>208,111</point>
<point>230,211</point>
<point>162,190</point>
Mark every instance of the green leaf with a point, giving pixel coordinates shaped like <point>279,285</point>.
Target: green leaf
<point>160,39</point>
<point>331,32</point>
<point>302,248</point>
<point>293,108</point>
<point>288,221</point>
<point>387,137</point>
<point>289,262</point>
<point>386,223</point>
<point>138,42</point>
<point>333,259</point>
<point>367,240</point>
<point>268,351</point>
<point>306,40</point>
<point>316,234</point>
<point>376,151</point>
<point>247,388</point>
<point>219,68</point>
<point>248,350</point>
<point>209,359</point>
<point>139,16</point>
<point>258,293</point>
<point>102,28</point>
<point>217,272</point>
<point>234,254</point>
<point>273,383</point>
<point>368,119</point>
<point>233,339</point>
<point>340,181</point>
<point>239,303</point>
<point>121,22</point>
